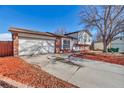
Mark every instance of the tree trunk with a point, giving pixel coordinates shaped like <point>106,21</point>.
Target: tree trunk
<point>104,46</point>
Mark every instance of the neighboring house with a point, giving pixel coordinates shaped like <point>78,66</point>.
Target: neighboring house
<point>28,42</point>
<point>98,45</point>
<point>84,39</point>
<point>117,42</point>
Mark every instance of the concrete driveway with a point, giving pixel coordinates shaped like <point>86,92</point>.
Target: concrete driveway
<point>92,74</point>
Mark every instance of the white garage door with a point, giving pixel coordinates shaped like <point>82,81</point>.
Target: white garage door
<point>28,46</point>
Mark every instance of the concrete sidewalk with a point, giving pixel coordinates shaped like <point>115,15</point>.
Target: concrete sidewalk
<point>91,74</point>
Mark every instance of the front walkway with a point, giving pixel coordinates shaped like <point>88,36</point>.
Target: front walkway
<point>91,74</point>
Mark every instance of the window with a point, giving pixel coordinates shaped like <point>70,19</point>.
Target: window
<point>121,38</point>
<point>89,40</point>
<point>85,38</point>
<point>122,33</point>
<point>66,44</point>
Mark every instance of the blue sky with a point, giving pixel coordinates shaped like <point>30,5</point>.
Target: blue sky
<point>41,18</point>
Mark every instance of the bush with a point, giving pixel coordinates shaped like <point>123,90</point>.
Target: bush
<point>109,50</point>
<point>113,49</point>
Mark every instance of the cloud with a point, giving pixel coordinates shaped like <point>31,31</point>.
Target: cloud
<point>5,37</point>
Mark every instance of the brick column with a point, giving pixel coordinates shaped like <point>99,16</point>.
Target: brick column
<point>15,44</point>
<point>58,45</point>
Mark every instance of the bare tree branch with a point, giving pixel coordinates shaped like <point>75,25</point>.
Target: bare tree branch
<point>107,20</point>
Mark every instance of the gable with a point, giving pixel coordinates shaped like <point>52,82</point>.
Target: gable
<point>83,33</point>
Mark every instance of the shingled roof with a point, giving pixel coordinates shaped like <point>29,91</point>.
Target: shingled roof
<point>79,31</point>
<point>20,30</point>
<point>62,36</point>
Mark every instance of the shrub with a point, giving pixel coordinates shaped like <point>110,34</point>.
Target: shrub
<point>113,49</point>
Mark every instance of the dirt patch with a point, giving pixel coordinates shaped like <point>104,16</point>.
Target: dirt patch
<point>102,57</point>
<point>21,71</point>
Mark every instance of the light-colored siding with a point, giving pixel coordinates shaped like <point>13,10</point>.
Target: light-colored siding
<point>82,36</point>
<point>118,44</point>
<point>72,44</point>
<point>98,46</point>
<point>114,44</point>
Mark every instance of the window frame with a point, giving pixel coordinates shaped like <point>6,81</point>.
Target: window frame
<point>66,44</point>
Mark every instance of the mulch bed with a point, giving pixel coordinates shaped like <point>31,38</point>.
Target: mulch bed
<point>103,57</point>
<point>18,70</point>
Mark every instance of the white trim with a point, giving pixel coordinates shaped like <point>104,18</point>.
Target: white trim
<point>25,35</point>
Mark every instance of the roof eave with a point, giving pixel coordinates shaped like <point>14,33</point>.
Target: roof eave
<point>18,30</point>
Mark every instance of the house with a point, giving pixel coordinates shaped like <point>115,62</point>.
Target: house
<point>84,39</point>
<point>117,42</point>
<point>98,45</point>
<point>64,43</point>
<point>28,42</point>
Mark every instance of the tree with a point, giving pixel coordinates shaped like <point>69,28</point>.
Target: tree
<point>98,36</point>
<point>61,31</point>
<point>108,21</point>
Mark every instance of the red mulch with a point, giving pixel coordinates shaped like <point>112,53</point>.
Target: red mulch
<point>18,70</point>
<point>102,57</point>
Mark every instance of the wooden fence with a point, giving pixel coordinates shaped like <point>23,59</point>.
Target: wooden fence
<point>6,48</point>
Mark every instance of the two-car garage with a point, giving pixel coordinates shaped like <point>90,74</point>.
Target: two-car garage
<point>27,42</point>
<point>29,46</point>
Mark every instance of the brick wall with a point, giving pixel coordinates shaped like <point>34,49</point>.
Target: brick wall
<point>15,44</point>
<point>58,45</point>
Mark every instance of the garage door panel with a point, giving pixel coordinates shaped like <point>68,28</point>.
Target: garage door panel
<point>33,47</point>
